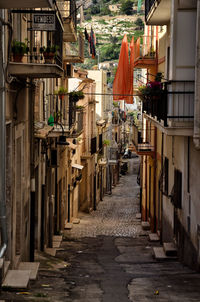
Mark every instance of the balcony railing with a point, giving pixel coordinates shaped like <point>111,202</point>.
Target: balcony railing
<point>42,58</point>
<point>26,4</point>
<point>63,112</point>
<point>142,148</point>
<point>145,48</point>
<point>75,52</point>
<point>148,6</point>
<point>78,129</point>
<point>174,104</point>
<point>157,12</point>
<point>68,12</point>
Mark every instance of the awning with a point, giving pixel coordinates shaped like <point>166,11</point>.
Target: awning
<point>77,166</point>
<point>72,146</point>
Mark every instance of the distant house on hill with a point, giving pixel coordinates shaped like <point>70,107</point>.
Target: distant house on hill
<point>114,7</point>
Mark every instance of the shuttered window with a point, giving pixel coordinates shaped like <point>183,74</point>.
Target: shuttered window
<point>166,175</point>
<point>177,194</point>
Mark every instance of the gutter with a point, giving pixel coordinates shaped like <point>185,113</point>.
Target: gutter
<point>196,136</point>
<point>4,236</point>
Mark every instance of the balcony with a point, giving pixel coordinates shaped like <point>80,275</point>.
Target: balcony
<point>26,4</point>
<point>145,52</point>
<point>75,53</point>
<point>40,57</point>
<point>78,129</point>
<point>61,114</point>
<point>142,148</point>
<point>68,12</point>
<point>172,107</point>
<point>157,12</point>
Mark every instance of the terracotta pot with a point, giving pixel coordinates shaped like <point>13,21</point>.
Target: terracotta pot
<point>17,57</point>
<point>48,57</point>
<point>61,96</point>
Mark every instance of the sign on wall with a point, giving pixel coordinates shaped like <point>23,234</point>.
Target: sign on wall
<point>44,21</point>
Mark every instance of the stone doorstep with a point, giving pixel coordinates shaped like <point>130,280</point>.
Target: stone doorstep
<point>32,266</point>
<point>50,251</point>
<point>76,221</point>
<point>57,238</point>
<point>56,244</point>
<point>17,279</point>
<point>68,225</point>
<point>145,225</point>
<point>154,237</point>
<point>159,254</point>
<point>170,249</point>
<point>138,216</point>
<point>4,266</point>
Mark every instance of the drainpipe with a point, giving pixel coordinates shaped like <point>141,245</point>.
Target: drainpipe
<point>4,236</point>
<point>196,136</point>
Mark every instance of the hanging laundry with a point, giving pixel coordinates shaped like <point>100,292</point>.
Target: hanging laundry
<point>121,81</point>
<point>129,99</point>
<point>92,44</point>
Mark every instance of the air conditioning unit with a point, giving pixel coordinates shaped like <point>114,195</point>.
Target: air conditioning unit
<point>69,71</point>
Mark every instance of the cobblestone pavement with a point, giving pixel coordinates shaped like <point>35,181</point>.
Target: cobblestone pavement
<point>108,258</point>
<point>116,214</point>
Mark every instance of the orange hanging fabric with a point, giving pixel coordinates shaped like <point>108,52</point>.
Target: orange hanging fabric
<point>121,81</point>
<point>129,99</point>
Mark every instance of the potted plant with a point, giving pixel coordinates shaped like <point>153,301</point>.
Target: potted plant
<point>57,116</point>
<point>19,49</point>
<point>75,96</point>
<point>61,92</point>
<point>79,107</point>
<point>106,142</point>
<point>49,53</point>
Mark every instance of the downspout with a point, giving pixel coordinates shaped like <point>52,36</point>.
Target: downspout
<point>4,236</point>
<point>154,180</point>
<point>196,136</point>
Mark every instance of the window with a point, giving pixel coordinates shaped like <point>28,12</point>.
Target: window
<point>166,175</point>
<point>177,190</point>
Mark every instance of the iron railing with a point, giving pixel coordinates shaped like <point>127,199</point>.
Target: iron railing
<point>63,112</point>
<point>146,47</point>
<point>68,10</point>
<point>78,123</point>
<point>148,6</point>
<point>38,41</point>
<point>173,103</point>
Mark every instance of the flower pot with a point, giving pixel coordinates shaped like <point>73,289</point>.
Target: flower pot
<point>48,57</point>
<point>17,57</point>
<point>61,96</point>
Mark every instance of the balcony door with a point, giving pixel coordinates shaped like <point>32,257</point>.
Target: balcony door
<point>18,225</point>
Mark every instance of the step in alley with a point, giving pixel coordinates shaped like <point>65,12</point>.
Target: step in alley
<point>108,257</point>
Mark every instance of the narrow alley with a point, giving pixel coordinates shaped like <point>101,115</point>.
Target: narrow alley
<point>107,257</point>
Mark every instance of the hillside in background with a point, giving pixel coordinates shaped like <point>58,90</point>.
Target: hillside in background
<point>109,24</point>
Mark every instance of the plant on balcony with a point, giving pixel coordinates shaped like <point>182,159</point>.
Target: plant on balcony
<point>49,53</point>
<point>152,90</point>
<point>19,49</point>
<point>57,115</point>
<point>75,96</point>
<point>106,142</point>
<point>79,107</point>
<point>61,92</point>
<point>115,104</point>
